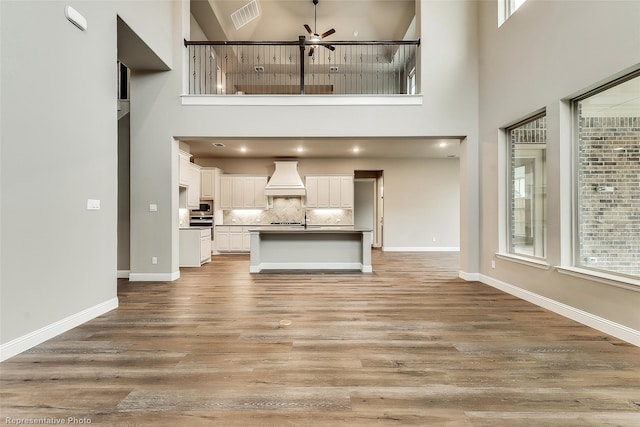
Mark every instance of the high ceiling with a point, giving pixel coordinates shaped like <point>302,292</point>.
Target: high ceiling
<point>280,20</point>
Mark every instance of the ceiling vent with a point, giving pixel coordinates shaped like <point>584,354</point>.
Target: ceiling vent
<point>218,144</point>
<point>245,14</point>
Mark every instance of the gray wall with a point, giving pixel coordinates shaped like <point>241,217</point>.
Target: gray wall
<point>543,55</point>
<point>59,148</point>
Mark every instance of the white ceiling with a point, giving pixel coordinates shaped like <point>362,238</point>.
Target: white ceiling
<point>324,147</point>
<point>281,20</point>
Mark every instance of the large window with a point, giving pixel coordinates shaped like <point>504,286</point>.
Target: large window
<point>528,188</point>
<point>608,178</point>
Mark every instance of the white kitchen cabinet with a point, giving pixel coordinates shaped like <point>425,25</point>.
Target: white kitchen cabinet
<point>208,178</point>
<point>195,246</point>
<point>222,238</point>
<point>233,238</point>
<point>243,192</point>
<point>346,192</point>
<point>184,168</point>
<point>329,191</point>
<point>193,189</point>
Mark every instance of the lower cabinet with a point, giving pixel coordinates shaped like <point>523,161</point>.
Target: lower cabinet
<point>233,238</point>
<point>195,246</point>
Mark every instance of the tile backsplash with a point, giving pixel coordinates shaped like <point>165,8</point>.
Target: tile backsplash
<point>288,209</point>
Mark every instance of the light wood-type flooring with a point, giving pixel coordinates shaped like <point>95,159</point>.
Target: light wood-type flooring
<point>409,345</point>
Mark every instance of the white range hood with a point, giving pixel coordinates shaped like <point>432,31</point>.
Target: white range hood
<point>285,180</point>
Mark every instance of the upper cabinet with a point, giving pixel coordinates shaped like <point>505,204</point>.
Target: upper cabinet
<point>184,167</point>
<point>242,192</point>
<point>189,176</point>
<point>209,178</point>
<point>329,191</point>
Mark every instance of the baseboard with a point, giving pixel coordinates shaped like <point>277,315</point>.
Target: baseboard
<point>470,277</point>
<point>266,266</point>
<point>25,342</point>
<point>154,277</point>
<point>123,274</point>
<point>421,249</point>
<point>601,324</point>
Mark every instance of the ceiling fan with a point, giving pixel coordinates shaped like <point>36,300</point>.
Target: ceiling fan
<point>313,35</point>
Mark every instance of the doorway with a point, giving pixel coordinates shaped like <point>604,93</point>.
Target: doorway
<point>368,203</point>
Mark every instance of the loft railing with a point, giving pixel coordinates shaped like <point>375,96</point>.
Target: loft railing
<point>302,67</point>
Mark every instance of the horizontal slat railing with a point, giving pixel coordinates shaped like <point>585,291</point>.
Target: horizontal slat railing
<point>287,68</point>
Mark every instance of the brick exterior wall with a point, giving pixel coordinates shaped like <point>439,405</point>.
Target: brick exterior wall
<point>609,221</point>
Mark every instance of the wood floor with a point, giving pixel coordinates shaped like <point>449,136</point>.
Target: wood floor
<point>409,345</point>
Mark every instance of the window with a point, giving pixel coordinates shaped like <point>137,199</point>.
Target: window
<point>506,8</point>
<point>527,172</point>
<point>608,178</point>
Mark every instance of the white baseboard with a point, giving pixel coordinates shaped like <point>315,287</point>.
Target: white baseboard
<point>421,249</point>
<point>601,324</point>
<point>123,274</point>
<point>25,342</point>
<point>154,277</point>
<point>470,277</point>
<point>309,266</point>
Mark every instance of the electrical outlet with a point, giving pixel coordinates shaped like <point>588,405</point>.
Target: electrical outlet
<point>154,260</point>
<point>434,238</point>
<point>493,263</point>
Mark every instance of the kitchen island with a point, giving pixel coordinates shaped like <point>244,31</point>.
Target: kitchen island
<point>312,248</point>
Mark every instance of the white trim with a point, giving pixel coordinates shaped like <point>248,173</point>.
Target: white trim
<point>421,249</point>
<point>154,277</point>
<point>600,277</point>
<point>531,262</point>
<point>310,266</point>
<point>596,322</point>
<point>296,100</point>
<point>32,339</point>
<point>469,277</point>
<point>123,274</point>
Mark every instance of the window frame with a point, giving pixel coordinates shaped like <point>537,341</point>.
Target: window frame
<point>509,249</point>
<point>576,263</point>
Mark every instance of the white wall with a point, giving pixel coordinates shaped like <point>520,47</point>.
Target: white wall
<point>546,53</point>
<point>421,196</point>
<point>59,139</point>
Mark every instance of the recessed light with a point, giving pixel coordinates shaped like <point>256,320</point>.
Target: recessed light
<point>299,149</point>
<point>243,149</point>
<point>442,144</point>
<point>356,150</point>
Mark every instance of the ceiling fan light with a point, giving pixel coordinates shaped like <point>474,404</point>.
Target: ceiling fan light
<point>314,38</point>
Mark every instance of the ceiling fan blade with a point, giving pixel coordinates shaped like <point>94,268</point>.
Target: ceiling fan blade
<point>311,51</point>
<point>331,48</point>
<point>308,28</point>
<point>327,33</point>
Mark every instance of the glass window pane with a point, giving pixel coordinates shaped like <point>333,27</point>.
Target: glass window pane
<point>528,193</point>
<point>609,179</point>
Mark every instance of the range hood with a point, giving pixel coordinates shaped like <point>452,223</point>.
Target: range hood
<point>285,180</point>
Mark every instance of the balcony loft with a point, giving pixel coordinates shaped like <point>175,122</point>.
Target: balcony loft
<point>369,71</point>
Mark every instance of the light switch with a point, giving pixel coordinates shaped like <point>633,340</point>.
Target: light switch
<point>153,207</point>
<point>93,204</point>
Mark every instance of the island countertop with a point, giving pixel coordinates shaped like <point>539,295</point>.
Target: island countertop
<point>312,248</point>
<point>309,229</point>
